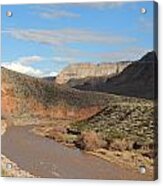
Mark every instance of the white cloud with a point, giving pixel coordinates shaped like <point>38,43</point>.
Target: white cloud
<point>145,24</point>
<point>66,36</point>
<point>29,59</point>
<point>23,69</point>
<point>52,74</point>
<point>58,14</point>
<point>53,11</point>
<point>57,11</point>
<point>61,40</point>
<point>22,65</point>
<point>104,5</point>
<point>63,59</point>
<point>128,54</point>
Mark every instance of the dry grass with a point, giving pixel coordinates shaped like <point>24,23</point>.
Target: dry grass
<point>126,159</point>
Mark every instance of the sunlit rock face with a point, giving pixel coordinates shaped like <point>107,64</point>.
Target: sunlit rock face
<point>82,70</point>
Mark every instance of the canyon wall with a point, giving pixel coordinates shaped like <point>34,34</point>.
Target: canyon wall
<point>82,70</point>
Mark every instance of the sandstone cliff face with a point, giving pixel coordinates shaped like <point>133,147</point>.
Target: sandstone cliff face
<point>83,70</point>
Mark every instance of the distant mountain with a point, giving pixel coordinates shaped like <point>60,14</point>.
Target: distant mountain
<point>50,78</point>
<point>85,70</point>
<point>139,79</point>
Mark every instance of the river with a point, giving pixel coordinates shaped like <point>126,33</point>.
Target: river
<point>46,158</point>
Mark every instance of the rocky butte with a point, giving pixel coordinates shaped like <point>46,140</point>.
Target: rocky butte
<point>82,70</point>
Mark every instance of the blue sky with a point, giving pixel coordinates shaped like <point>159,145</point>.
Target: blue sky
<point>40,40</point>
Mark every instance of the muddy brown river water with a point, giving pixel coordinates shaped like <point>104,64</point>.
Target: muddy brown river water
<point>44,157</point>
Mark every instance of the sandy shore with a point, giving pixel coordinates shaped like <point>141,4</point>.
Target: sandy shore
<point>11,169</point>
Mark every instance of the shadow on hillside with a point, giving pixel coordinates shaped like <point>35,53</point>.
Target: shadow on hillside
<point>139,80</point>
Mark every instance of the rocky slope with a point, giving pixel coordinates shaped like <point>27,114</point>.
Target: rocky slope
<point>138,79</point>
<point>26,97</point>
<point>133,121</point>
<point>82,70</point>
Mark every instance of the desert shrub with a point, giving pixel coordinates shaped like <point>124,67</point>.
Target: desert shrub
<point>150,154</point>
<point>113,133</point>
<point>120,145</point>
<point>89,140</point>
<point>69,138</point>
<point>80,126</point>
<point>58,136</point>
